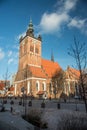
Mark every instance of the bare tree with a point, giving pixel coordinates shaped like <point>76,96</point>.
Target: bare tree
<point>6,76</point>
<point>78,51</point>
<point>58,80</point>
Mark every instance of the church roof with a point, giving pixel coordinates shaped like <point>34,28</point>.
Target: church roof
<point>47,69</point>
<point>50,67</point>
<point>72,73</point>
<point>37,72</point>
<point>2,85</point>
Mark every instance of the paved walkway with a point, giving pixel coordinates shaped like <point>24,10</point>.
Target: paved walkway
<point>12,121</point>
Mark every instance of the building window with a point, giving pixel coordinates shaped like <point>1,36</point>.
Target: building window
<point>44,86</point>
<point>28,87</point>
<point>36,50</point>
<point>50,87</point>
<point>25,49</point>
<point>26,41</point>
<point>31,48</point>
<point>22,49</point>
<point>37,86</point>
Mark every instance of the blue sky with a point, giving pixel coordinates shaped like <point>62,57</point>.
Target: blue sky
<point>56,20</point>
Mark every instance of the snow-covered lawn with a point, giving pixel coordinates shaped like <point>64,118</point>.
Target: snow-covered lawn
<point>52,116</point>
<point>55,117</point>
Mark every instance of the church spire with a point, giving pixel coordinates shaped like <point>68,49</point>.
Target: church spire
<point>52,56</point>
<point>30,31</point>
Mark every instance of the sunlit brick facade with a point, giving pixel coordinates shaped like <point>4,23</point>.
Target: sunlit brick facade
<point>34,73</point>
<point>34,76</point>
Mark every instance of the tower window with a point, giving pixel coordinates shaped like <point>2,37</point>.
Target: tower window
<point>36,50</point>
<point>31,48</point>
<point>25,49</point>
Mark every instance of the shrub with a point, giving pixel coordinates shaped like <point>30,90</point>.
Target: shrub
<point>43,105</point>
<point>34,117</point>
<point>72,122</point>
<point>12,102</point>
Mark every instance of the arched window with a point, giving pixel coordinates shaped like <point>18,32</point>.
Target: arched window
<point>36,50</point>
<point>28,87</point>
<point>37,86</point>
<point>25,48</point>
<point>15,89</point>
<point>22,49</point>
<point>44,86</point>
<point>31,48</point>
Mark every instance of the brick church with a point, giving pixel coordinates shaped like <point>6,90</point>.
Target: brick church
<point>34,76</point>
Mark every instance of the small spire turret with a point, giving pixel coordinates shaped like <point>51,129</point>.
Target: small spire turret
<point>52,56</point>
<point>40,38</point>
<point>30,31</point>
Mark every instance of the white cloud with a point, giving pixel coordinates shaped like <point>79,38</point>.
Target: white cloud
<point>51,22</point>
<point>80,24</point>
<point>10,60</point>
<point>9,53</point>
<point>69,4</point>
<point>13,57</point>
<point>2,54</point>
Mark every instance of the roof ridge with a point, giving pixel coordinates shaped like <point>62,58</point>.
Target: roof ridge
<point>49,60</point>
<point>44,70</point>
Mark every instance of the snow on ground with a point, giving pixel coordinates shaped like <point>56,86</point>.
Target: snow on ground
<point>51,116</point>
<point>13,122</point>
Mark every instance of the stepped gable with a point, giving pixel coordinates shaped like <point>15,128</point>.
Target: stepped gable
<point>72,73</point>
<point>50,67</point>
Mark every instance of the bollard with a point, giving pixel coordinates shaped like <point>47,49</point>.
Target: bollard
<point>65,100</point>
<point>30,103</point>
<point>11,109</point>
<point>20,103</point>
<point>12,102</point>
<point>58,105</point>
<point>43,105</point>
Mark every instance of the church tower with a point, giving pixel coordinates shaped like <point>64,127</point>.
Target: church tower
<point>30,49</point>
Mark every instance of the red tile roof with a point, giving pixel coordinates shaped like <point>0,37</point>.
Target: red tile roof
<point>37,72</point>
<point>11,88</point>
<point>2,85</point>
<point>50,67</point>
<point>47,70</point>
<point>72,73</point>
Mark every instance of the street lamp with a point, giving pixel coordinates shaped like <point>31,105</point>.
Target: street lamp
<point>76,96</point>
<point>22,90</point>
<point>25,92</point>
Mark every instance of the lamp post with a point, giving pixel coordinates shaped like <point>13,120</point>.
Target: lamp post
<point>25,94</point>
<point>22,90</point>
<point>76,96</point>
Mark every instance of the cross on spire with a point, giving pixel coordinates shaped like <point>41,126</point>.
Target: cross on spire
<point>30,31</point>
